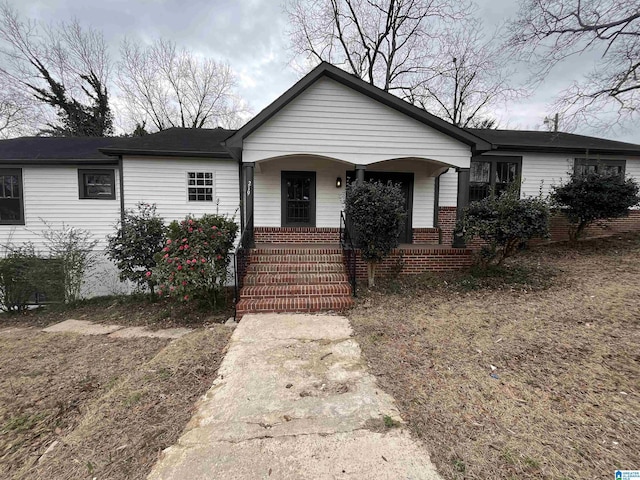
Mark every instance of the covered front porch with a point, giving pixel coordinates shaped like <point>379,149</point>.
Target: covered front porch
<point>298,199</point>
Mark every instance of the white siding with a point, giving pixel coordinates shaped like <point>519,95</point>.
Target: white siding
<point>51,195</point>
<point>163,182</point>
<point>449,189</point>
<point>541,171</point>
<point>332,120</point>
<point>329,199</point>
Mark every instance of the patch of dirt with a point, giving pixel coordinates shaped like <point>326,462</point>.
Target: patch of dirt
<point>517,379</point>
<point>110,405</point>
<point>122,310</point>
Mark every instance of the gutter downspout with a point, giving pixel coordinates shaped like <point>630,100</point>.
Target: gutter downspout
<point>121,182</point>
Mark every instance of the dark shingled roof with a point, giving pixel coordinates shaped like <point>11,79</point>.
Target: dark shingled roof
<point>55,149</point>
<point>536,141</point>
<point>193,142</point>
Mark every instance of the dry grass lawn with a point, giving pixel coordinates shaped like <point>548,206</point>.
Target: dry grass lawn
<point>561,326</point>
<point>76,406</point>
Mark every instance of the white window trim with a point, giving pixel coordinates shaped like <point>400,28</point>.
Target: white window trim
<point>213,183</point>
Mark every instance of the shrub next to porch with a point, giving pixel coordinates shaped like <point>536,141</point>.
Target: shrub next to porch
<point>585,199</point>
<point>504,222</point>
<point>377,213</point>
<point>194,263</point>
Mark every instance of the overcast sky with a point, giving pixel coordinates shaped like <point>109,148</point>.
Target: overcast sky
<point>250,35</point>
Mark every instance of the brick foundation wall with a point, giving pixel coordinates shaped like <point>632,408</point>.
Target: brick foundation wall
<point>447,223</point>
<point>428,236</point>
<point>559,226</point>
<point>414,261</point>
<point>296,235</point>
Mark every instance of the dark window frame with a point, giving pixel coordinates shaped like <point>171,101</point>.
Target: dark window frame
<point>17,172</point>
<point>96,171</point>
<point>494,160</point>
<point>596,162</point>
<point>208,196</point>
<point>312,198</point>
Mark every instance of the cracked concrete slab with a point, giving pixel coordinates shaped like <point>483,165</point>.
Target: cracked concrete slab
<point>82,327</point>
<point>294,399</point>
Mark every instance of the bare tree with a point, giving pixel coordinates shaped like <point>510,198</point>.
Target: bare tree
<point>18,113</point>
<point>547,32</point>
<point>63,66</point>
<point>167,87</point>
<point>388,43</point>
<point>475,80</point>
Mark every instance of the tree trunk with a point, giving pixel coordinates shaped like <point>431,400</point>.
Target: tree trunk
<point>371,274</point>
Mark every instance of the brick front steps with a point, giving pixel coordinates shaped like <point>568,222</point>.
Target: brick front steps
<point>295,278</point>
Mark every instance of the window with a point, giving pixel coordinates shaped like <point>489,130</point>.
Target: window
<point>200,186</point>
<point>97,184</point>
<point>492,172</point>
<point>298,199</point>
<point>583,166</point>
<point>11,201</point>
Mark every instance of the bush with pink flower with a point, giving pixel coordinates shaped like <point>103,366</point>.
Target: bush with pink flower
<point>193,265</point>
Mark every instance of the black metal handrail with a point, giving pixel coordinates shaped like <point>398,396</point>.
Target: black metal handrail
<point>348,250</point>
<point>241,259</point>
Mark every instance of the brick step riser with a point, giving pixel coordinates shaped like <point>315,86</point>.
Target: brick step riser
<point>287,291</point>
<point>300,279</point>
<point>293,305</point>
<point>296,251</point>
<point>279,259</point>
<point>295,268</point>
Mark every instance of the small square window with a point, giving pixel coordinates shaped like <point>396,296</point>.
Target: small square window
<point>200,186</point>
<point>11,200</point>
<point>97,184</point>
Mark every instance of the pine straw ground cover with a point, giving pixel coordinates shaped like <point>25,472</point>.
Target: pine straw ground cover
<point>108,406</point>
<point>562,328</point>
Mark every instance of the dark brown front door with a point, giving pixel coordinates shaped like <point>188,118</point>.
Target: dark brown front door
<point>298,199</point>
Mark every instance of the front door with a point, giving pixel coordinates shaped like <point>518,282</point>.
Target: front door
<point>298,199</point>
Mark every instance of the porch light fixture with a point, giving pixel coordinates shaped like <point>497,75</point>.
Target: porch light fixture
<point>338,182</point>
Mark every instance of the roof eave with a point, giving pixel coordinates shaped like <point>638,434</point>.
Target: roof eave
<point>58,161</point>
<point>164,153</point>
<point>573,150</point>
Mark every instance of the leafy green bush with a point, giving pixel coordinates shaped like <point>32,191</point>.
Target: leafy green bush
<point>377,213</point>
<point>194,263</point>
<point>140,236</point>
<point>585,199</point>
<point>505,222</point>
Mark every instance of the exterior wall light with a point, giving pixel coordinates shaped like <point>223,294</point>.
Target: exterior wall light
<point>338,182</point>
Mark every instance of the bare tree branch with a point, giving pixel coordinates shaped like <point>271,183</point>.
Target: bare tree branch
<point>168,87</point>
<point>546,32</point>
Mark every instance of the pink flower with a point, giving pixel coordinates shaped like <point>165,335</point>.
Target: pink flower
<point>148,274</point>
<point>190,222</point>
<point>184,283</point>
<point>165,249</point>
<point>186,297</point>
<point>190,229</point>
<point>169,242</point>
<point>184,240</point>
<point>186,246</point>
<point>214,228</point>
<point>179,267</point>
<point>188,262</point>
<point>219,257</point>
<point>181,247</point>
<point>204,260</point>
<point>171,289</point>
<point>200,230</point>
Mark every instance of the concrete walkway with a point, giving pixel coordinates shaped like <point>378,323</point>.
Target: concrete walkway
<point>84,327</point>
<point>294,400</point>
